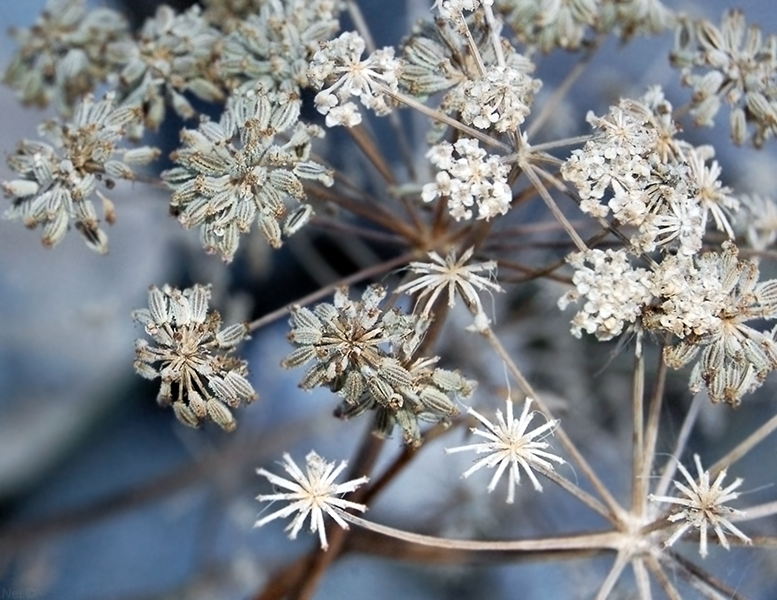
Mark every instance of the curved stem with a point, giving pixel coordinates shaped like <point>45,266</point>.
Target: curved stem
<point>609,540</point>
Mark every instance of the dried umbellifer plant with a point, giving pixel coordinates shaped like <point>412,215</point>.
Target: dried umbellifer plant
<point>629,223</point>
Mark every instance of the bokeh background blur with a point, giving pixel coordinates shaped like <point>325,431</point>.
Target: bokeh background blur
<point>103,495</point>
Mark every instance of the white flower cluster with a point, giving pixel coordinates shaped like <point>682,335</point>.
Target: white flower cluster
<point>500,99</point>
<point>339,63</point>
<point>613,291</point>
<point>489,90</point>
<point>731,63</point>
<point>691,296</point>
<point>636,169</point>
<point>471,178</point>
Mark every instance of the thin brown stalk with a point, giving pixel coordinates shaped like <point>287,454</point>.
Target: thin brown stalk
<point>685,431</point>
<point>329,289</point>
<point>638,433</point>
<point>367,145</point>
<point>529,169</point>
<point>642,578</point>
<point>610,540</point>
<point>750,442</point>
<point>621,561</point>
<point>658,572</point>
<point>642,475</point>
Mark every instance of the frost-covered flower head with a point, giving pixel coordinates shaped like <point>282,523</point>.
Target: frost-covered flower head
<point>191,356</point>
<point>702,506</point>
<point>731,63</point>
<point>450,275</point>
<point>612,292</point>
<point>471,179</point>
<point>636,170</point>
<point>735,357</point>
<point>313,493</point>
<point>57,181</point>
<point>240,171</point>
<point>369,358</point>
<point>511,446</point>
<point>339,64</point>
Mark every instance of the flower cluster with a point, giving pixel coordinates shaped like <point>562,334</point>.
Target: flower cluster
<point>57,181</point>
<point>451,275</point>
<point>223,186</point>
<point>173,55</point>
<point>191,357</point>
<point>472,178</point>
<point>313,493</point>
<point>613,291</point>
<point>501,99</point>
<point>510,447</point>
<point>339,64</point>
<point>63,56</point>
<point>703,507</point>
<point>273,46</point>
<point>489,91</point>
<point>735,357</point>
<point>731,63</point>
<point>662,186</point>
<point>759,219</point>
<point>368,357</point>
<point>573,24</point>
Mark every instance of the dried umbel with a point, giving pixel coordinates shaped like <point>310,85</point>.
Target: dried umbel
<point>735,357</point>
<point>338,65</point>
<point>702,505</point>
<point>482,89</point>
<point>58,181</point>
<point>173,55</point>
<point>191,356</point>
<point>63,56</point>
<point>635,169</point>
<point>240,171</point>
<point>272,47</point>
<point>732,63</point>
<point>367,357</point>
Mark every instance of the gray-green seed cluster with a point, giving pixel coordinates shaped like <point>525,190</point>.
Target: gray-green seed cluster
<point>199,379</point>
<point>367,357</point>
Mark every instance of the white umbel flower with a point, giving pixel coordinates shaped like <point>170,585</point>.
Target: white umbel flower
<point>510,446</point>
<point>703,507</point>
<point>313,493</point>
<point>339,63</point>
<point>473,178</point>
